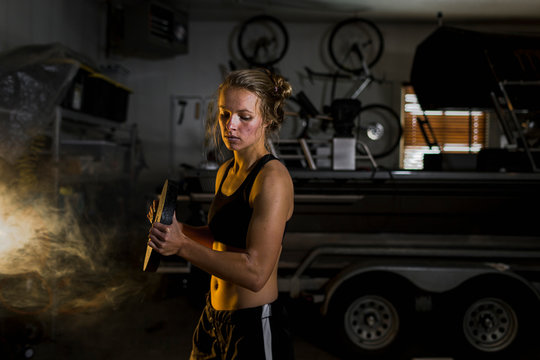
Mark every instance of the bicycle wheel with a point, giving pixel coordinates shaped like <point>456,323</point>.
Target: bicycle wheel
<point>355,43</point>
<point>262,40</point>
<point>379,128</point>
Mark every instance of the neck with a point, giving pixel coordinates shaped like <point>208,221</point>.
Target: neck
<point>243,161</point>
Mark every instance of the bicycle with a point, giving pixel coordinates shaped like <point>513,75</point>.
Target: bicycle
<point>355,45</point>
<point>262,41</point>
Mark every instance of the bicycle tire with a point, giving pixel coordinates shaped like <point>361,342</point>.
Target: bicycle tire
<point>366,27</point>
<point>257,20</point>
<point>368,127</point>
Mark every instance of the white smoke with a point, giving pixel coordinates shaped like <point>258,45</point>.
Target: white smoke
<point>50,262</point>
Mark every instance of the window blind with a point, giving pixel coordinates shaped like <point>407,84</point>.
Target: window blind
<point>454,131</point>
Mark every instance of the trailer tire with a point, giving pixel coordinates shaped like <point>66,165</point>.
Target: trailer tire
<point>490,324</point>
<point>496,319</point>
<point>368,322</point>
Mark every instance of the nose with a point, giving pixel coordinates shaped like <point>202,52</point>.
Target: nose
<point>232,122</point>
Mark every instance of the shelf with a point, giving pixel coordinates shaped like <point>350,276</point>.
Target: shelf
<point>89,179</point>
<point>83,118</point>
<point>91,159</point>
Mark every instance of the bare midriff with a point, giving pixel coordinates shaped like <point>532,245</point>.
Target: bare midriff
<point>229,296</point>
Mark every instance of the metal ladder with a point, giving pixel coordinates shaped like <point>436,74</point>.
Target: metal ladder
<point>508,118</point>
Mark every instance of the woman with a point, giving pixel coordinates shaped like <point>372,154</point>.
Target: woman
<point>241,245</point>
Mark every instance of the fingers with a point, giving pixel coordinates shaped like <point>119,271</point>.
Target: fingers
<point>162,238</point>
<point>161,245</point>
<point>157,238</point>
<point>175,221</point>
<point>161,227</point>
<point>155,243</point>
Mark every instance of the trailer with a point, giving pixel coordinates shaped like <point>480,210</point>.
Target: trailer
<point>430,263</point>
<point>404,264</point>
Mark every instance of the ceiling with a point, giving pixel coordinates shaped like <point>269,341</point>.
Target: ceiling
<point>391,10</point>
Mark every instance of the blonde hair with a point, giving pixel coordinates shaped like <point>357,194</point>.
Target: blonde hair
<point>272,90</point>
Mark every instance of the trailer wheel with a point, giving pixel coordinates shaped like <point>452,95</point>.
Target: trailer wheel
<point>490,324</point>
<point>498,319</point>
<point>369,322</point>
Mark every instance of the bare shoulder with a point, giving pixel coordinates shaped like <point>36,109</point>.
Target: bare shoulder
<point>274,185</point>
<point>275,172</point>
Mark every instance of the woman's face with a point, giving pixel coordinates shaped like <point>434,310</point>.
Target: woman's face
<point>240,120</point>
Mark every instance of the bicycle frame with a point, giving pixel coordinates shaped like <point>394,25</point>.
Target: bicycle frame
<point>345,110</point>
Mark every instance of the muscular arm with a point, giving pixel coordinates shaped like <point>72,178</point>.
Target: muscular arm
<point>200,234</point>
<point>272,201</point>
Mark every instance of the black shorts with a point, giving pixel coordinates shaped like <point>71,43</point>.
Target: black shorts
<point>255,333</point>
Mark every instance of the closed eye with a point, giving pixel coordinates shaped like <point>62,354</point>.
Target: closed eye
<point>224,115</point>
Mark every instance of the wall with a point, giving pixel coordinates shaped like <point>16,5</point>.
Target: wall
<point>198,74</point>
<point>77,24</point>
<point>81,26</point>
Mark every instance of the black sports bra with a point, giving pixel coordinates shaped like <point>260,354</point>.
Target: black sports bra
<point>229,216</point>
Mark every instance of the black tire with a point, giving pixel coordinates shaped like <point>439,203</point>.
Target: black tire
<point>379,128</point>
<point>490,324</point>
<point>496,320</point>
<point>370,322</point>
<point>274,40</point>
<point>355,33</point>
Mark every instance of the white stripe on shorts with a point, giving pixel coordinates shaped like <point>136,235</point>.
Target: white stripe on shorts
<point>267,331</point>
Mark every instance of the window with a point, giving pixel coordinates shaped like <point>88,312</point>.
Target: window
<point>455,131</point>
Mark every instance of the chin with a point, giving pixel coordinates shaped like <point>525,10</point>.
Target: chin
<point>232,146</point>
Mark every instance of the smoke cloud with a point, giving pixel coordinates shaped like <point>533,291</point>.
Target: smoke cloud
<point>53,261</point>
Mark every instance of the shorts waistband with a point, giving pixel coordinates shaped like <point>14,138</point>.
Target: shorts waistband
<point>254,313</point>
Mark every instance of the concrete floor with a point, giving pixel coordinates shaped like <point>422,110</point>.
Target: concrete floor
<point>156,325</point>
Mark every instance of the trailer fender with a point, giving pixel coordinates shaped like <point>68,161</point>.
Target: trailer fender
<point>431,278</point>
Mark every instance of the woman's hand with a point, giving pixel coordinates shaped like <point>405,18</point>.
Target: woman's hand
<point>167,239</point>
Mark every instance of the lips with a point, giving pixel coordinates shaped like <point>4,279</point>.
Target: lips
<point>232,138</point>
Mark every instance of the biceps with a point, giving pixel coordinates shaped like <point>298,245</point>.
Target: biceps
<point>267,225</point>
<point>264,240</point>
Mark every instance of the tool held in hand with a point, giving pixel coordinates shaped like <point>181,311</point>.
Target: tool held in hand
<point>164,214</point>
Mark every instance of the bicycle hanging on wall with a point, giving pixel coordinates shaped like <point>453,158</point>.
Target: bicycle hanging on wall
<point>354,46</point>
<point>262,41</point>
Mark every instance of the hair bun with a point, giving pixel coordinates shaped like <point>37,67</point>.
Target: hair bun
<point>283,89</point>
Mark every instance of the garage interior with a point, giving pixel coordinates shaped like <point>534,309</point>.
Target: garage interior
<point>412,139</point>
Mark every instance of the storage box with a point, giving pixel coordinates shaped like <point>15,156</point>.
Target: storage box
<point>343,153</point>
<point>95,94</point>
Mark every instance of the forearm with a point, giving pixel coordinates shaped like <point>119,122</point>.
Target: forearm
<point>200,234</point>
